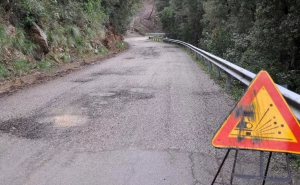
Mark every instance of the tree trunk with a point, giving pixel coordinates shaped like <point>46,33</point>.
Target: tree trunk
<point>151,13</point>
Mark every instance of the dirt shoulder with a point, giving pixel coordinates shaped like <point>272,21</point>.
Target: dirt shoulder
<point>38,76</point>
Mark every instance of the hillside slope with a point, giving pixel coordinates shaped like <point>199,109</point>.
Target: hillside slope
<point>147,20</point>
<point>39,35</point>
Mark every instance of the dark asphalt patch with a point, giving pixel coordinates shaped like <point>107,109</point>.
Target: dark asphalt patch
<point>126,72</point>
<point>106,100</point>
<point>35,128</point>
<point>83,80</point>
<point>150,52</point>
<point>129,95</point>
<point>24,127</point>
<point>129,58</point>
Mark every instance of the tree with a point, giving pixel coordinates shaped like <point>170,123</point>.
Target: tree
<point>258,34</point>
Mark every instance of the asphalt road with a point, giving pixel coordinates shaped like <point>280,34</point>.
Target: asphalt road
<point>143,117</point>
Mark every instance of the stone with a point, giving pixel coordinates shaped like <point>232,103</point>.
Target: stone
<point>12,30</point>
<point>40,37</point>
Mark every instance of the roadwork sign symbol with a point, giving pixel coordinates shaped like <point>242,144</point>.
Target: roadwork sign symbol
<point>262,120</point>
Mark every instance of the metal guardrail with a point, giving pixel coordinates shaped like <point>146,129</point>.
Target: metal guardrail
<point>155,35</point>
<point>232,70</point>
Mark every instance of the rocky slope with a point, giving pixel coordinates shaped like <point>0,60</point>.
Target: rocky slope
<point>146,20</point>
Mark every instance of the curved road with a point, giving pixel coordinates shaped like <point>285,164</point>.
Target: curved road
<point>143,117</point>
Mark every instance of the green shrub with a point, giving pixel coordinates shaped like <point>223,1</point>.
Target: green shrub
<point>45,64</point>
<point>33,10</point>
<point>3,71</point>
<point>65,57</point>
<point>22,43</point>
<point>74,31</point>
<point>89,32</point>
<point>21,66</point>
<point>103,51</point>
<point>121,46</point>
<point>3,36</point>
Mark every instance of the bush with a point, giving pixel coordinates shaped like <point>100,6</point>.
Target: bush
<point>21,66</point>
<point>22,43</point>
<point>3,71</point>
<point>65,57</point>
<point>3,36</point>
<point>121,46</point>
<point>45,64</point>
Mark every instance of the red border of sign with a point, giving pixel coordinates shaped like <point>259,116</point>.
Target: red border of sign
<point>261,80</point>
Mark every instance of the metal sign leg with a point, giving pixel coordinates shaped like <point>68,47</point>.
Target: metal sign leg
<point>267,168</point>
<point>233,168</point>
<point>289,169</point>
<point>220,167</point>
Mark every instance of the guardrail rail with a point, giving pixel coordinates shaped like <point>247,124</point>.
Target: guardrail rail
<point>232,70</point>
<point>160,35</point>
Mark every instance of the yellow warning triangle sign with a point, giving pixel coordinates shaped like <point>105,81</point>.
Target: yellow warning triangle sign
<point>262,120</point>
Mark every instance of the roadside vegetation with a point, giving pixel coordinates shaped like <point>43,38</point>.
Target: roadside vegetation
<point>41,34</point>
<point>255,35</point>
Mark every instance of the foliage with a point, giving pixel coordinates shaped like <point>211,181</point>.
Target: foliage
<point>256,35</point>
<point>120,12</point>
<point>3,36</point>
<point>22,43</point>
<point>3,71</point>
<point>45,64</point>
<point>21,66</point>
<point>65,57</point>
<point>121,46</point>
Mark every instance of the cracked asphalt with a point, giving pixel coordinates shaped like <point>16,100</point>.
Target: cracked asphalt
<point>143,117</point>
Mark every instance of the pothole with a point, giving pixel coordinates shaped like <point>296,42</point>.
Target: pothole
<point>65,120</point>
<point>69,121</point>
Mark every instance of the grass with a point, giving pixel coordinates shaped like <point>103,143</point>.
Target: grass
<point>103,51</point>
<point>22,43</point>
<point>121,46</point>
<point>21,66</point>
<point>3,36</point>
<point>46,64</point>
<point>3,71</point>
<point>65,57</point>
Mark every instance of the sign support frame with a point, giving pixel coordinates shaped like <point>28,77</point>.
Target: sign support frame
<point>263,173</point>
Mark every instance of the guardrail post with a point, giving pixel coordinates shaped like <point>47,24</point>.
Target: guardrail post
<point>228,81</point>
<point>218,74</point>
<point>209,67</point>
